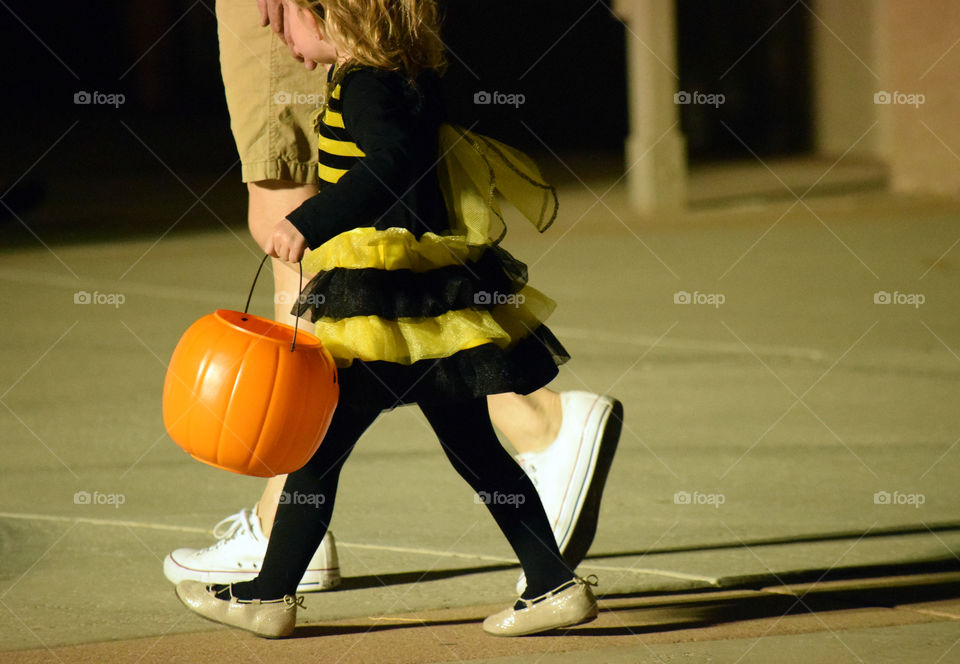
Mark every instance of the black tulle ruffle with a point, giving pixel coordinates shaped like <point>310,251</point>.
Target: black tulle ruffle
<point>393,294</point>
<point>469,374</point>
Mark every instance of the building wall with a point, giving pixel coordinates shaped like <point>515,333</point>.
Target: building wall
<point>922,57</point>
<point>886,87</point>
<point>846,45</point>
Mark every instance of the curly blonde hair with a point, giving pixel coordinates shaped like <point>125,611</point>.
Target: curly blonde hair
<point>397,35</point>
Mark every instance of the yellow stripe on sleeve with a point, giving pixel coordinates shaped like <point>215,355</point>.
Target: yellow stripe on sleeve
<point>340,148</point>
<point>328,174</point>
<point>333,119</point>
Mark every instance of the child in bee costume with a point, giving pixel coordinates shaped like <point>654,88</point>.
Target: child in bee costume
<point>414,299</point>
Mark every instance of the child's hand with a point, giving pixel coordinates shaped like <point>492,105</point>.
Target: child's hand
<point>286,242</point>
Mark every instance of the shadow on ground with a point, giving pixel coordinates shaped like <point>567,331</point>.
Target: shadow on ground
<point>892,531</point>
<point>641,613</point>
<point>402,578</point>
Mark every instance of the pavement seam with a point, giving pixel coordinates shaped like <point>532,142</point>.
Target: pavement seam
<point>348,545</point>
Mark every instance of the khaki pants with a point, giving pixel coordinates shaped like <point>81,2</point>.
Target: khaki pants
<point>271,97</point>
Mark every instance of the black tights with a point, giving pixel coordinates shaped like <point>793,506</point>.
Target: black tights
<point>467,437</point>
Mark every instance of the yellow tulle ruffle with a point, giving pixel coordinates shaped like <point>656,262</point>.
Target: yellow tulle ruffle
<point>390,249</point>
<point>474,170</point>
<point>409,340</point>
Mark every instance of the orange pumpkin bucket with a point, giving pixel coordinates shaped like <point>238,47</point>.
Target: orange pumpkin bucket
<point>248,394</point>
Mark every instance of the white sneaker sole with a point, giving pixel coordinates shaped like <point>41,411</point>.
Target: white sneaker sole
<point>574,544</point>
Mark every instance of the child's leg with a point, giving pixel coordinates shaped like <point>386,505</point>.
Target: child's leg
<point>305,508</point>
<point>471,445</point>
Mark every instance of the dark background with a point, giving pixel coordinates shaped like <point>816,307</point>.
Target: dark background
<point>162,55</point>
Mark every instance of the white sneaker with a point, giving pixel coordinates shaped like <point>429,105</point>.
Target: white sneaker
<point>570,474</point>
<point>238,554</point>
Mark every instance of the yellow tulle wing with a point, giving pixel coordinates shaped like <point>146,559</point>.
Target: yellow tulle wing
<point>473,169</point>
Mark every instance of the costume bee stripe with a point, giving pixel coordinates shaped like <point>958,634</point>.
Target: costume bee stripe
<point>409,340</point>
<point>337,151</point>
<point>414,315</point>
<point>395,294</point>
<point>392,297</point>
<point>332,148</point>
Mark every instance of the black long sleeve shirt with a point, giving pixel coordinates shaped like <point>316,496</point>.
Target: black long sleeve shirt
<point>395,184</point>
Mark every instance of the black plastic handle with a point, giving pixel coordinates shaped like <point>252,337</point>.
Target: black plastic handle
<point>296,320</point>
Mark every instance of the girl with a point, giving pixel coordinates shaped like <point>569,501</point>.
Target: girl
<point>414,300</point>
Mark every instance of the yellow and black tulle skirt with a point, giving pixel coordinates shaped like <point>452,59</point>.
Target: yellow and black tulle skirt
<point>429,318</point>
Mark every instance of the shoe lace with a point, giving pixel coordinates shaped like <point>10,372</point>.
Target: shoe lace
<point>290,600</point>
<point>231,527</point>
<point>590,580</point>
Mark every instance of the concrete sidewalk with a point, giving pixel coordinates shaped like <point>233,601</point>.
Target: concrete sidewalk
<point>784,425</point>
<point>860,621</point>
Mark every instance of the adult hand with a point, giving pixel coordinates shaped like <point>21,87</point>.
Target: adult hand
<point>271,13</point>
<point>286,242</point>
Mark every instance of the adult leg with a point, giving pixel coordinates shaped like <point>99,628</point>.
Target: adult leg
<point>277,148</point>
<point>530,422</point>
<point>271,201</point>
